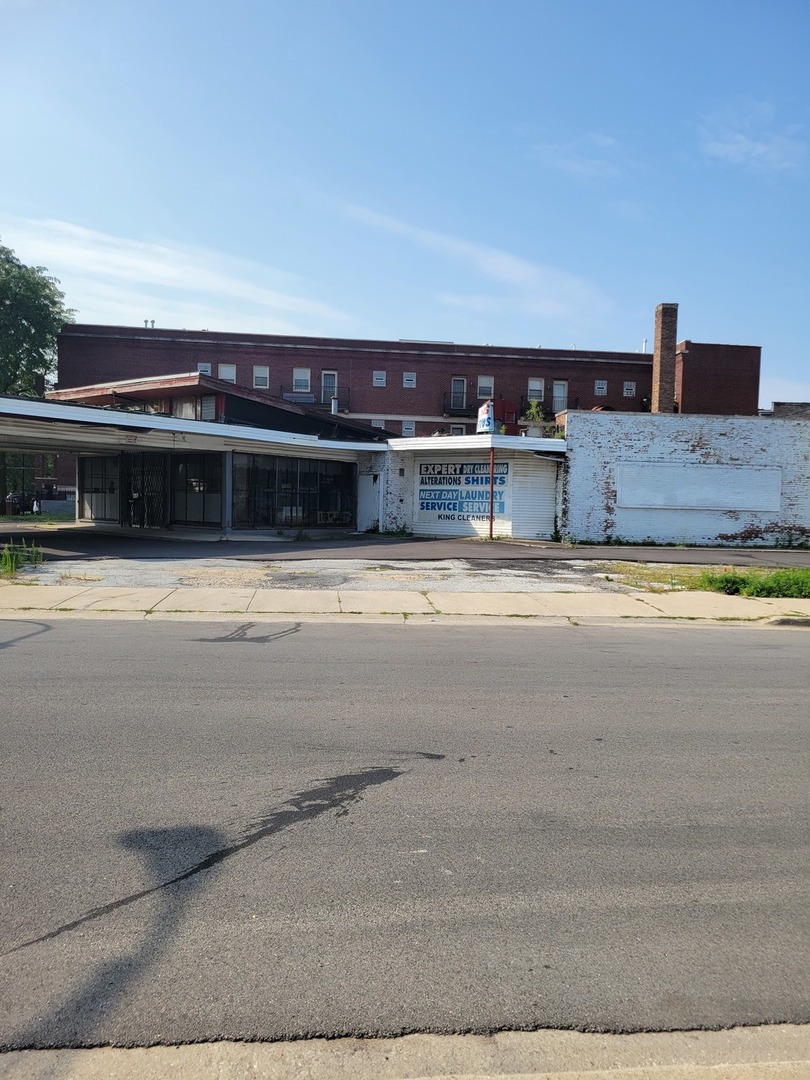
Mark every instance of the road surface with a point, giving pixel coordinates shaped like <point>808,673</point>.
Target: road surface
<point>224,830</point>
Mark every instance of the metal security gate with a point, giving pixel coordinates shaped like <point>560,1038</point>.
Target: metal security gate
<point>144,490</point>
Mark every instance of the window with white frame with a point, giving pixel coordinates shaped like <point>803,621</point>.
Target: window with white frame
<point>227,372</point>
<point>600,388</point>
<point>204,369</point>
<point>486,386</point>
<point>378,378</point>
<point>409,380</point>
<point>408,427</point>
<point>536,389</point>
<point>301,380</point>
<point>261,377</point>
<point>629,389</point>
<point>378,423</point>
<point>458,429</point>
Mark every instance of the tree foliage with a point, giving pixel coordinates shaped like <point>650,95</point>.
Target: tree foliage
<point>32,311</point>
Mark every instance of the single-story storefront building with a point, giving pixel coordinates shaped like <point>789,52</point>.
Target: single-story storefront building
<point>615,476</point>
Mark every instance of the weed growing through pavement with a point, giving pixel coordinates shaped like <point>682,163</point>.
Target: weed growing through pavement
<point>13,556</point>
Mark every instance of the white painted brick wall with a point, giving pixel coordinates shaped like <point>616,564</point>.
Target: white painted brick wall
<point>599,442</point>
<point>398,497</point>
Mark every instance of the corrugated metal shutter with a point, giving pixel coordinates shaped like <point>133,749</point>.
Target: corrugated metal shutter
<point>533,497</point>
<point>458,528</point>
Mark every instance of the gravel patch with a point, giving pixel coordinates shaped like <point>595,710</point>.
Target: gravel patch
<point>450,575</point>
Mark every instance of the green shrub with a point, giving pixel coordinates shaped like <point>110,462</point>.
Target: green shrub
<point>792,584</point>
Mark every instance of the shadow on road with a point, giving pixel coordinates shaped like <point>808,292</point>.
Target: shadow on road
<point>176,868</point>
<point>20,636</point>
<point>77,1020</point>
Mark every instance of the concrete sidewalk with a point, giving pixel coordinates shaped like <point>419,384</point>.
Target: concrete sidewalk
<point>778,1052</point>
<point>540,607</point>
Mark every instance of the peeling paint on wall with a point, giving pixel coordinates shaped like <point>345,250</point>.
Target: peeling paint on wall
<point>718,454</point>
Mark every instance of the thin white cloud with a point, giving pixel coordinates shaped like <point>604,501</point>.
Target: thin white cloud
<point>115,279</point>
<point>748,138</point>
<point>533,288</point>
<point>591,156</point>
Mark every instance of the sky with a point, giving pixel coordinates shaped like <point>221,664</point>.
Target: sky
<point>511,172</point>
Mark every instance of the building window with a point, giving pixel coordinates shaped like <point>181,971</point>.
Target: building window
<point>283,492</point>
<point>328,387</point>
<point>409,380</point>
<point>458,429</point>
<point>261,377</point>
<point>559,399</point>
<point>600,388</point>
<point>458,393</point>
<point>629,389</point>
<point>208,407</point>
<point>486,386</point>
<point>378,423</point>
<point>378,378</point>
<point>301,380</point>
<point>408,427</point>
<point>197,489</point>
<point>184,408</point>
<point>204,369</point>
<point>227,372</point>
<point>536,390</point>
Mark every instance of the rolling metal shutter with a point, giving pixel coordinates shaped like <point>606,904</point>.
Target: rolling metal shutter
<point>533,497</point>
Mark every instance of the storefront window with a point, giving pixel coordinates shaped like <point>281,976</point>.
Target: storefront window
<point>286,492</point>
<point>197,489</point>
<point>99,488</point>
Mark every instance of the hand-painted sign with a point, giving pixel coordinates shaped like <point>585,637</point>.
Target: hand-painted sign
<point>459,491</point>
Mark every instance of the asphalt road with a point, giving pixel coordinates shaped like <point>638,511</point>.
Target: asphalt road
<point>70,543</point>
<point>213,830</point>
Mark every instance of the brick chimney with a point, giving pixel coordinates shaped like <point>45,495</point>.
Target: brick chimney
<point>663,372</point>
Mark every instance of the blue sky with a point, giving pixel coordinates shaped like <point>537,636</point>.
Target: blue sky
<point>520,172</point>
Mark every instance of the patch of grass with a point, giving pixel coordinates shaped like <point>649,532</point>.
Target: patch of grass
<point>651,577</point>
<point>792,583</point>
<point>38,519</point>
<point>13,556</point>
<point>733,581</point>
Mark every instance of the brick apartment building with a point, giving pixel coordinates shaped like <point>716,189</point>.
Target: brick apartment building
<point>417,387</point>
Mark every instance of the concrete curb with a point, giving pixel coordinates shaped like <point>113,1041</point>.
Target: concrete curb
<point>778,1052</point>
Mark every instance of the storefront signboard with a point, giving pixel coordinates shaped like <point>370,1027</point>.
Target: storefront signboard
<point>459,491</point>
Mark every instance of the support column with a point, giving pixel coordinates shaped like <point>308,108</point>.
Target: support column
<point>227,490</point>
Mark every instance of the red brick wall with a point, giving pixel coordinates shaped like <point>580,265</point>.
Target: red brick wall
<point>89,354</point>
<point>714,378</point>
<point>718,379</point>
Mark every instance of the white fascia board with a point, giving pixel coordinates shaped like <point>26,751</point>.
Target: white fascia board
<point>439,444</point>
<point>44,410</point>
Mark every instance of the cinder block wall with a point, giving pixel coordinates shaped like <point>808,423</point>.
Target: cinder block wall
<point>614,459</point>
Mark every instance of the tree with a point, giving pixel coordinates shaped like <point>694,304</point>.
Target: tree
<point>32,311</point>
